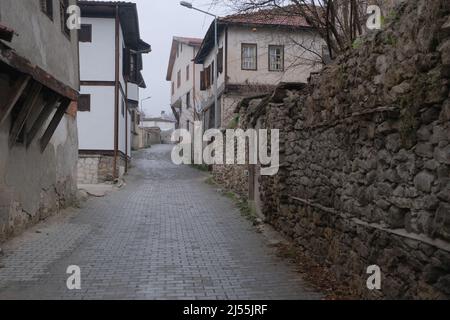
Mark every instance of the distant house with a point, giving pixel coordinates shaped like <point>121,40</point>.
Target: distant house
<point>257,51</point>
<point>184,76</point>
<point>165,123</point>
<point>38,91</point>
<point>110,72</point>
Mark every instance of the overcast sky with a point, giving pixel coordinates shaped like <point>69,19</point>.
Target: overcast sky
<point>159,22</point>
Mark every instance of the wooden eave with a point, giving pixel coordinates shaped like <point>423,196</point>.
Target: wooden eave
<point>9,57</point>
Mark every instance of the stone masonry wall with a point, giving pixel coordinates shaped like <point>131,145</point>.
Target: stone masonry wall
<point>94,169</point>
<point>365,157</point>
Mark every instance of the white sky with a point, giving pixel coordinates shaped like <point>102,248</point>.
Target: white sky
<point>159,22</point>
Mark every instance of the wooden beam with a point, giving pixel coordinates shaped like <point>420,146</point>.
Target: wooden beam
<point>43,116</point>
<point>28,106</point>
<point>54,123</point>
<point>16,92</point>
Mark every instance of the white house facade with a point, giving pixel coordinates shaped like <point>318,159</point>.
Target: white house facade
<point>184,76</point>
<point>256,53</point>
<point>110,77</point>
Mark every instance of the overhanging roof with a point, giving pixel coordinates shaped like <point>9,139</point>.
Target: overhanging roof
<point>128,16</point>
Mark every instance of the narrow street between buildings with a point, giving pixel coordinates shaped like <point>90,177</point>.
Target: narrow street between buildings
<point>166,235</point>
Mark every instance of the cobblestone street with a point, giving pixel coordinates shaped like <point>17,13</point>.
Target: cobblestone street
<point>166,235</point>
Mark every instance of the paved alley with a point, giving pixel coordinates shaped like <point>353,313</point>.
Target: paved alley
<point>166,235</point>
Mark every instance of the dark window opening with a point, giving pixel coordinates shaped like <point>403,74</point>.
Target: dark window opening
<point>188,100</point>
<point>202,81</point>
<point>220,61</point>
<point>85,33</point>
<point>64,5</point>
<point>84,103</point>
<point>47,7</point>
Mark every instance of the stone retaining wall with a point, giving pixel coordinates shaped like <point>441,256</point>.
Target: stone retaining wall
<point>365,157</point>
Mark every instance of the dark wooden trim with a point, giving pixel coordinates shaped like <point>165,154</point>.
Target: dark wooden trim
<point>28,106</point>
<point>12,59</point>
<point>226,56</point>
<point>256,56</point>
<point>43,116</point>
<point>116,93</point>
<point>54,123</point>
<point>16,92</point>
<point>104,153</point>
<point>126,128</point>
<point>268,57</point>
<point>100,83</point>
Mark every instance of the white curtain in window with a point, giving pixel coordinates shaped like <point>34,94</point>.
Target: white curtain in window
<point>248,57</point>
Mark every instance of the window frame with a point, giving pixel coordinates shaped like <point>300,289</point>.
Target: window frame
<point>282,58</point>
<point>243,45</point>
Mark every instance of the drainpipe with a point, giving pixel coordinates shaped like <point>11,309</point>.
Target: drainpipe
<point>126,126</point>
<point>116,97</point>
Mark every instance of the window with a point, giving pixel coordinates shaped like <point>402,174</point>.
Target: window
<point>212,72</point>
<point>202,81</point>
<point>208,77</point>
<point>220,61</point>
<point>63,5</point>
<point>188,100</point>
<point>133,67</point>
<point>179,79</point>
<point>249,57</point>
<point>188,127</point>
<point>187,73</point>
<point>130,66</point>
<point>276,58</point>
<point>84,103</point>
<point>47,7</point>
<point>173,88</point>
<point>85,33</point>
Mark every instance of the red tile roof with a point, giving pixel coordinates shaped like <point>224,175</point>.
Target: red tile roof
<point>267,17</point>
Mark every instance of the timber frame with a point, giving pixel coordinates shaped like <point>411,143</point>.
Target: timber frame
<point>33,96</point>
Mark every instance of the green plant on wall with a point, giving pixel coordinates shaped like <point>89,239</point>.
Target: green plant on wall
<point>357,43</point>
<point>234,123</point>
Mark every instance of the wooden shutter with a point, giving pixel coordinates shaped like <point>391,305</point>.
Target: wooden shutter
<point>212,72</point>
